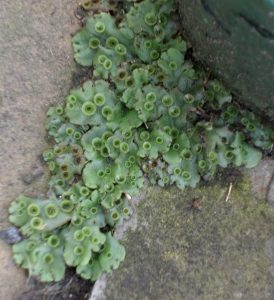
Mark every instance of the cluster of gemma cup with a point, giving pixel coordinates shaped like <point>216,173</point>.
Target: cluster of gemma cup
<point>146,113</point>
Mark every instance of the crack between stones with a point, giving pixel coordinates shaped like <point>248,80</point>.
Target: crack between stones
<point>210,11</point>
<point>260,29</point>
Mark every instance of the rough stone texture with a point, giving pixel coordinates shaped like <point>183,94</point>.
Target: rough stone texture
<point>224,250</point>
<point>235,39</point>
<point>270,193</point>
<point>261,179</point>
<point>36,64</point>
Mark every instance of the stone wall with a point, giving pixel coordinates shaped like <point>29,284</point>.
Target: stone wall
<point>235,39</point>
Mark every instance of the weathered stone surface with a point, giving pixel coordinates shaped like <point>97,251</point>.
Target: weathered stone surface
<point>270,192</point>
<point>235,39</point>
<point>261,179</point>
<point>222,251</point>
<point>36,64</point>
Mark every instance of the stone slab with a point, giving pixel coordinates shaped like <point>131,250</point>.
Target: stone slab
<point>235,40</point>
<point>224,250</point>
<point>36,67</point>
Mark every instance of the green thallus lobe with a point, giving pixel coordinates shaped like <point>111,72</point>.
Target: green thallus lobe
<point>146,110</point>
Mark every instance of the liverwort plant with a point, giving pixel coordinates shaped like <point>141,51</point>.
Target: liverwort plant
<point>146,112</point>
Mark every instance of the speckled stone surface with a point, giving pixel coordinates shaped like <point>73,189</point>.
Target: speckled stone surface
<point>262,180</point>
<point>36,67</point>
<point>222,251</point>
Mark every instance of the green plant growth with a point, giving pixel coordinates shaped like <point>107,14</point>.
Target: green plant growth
<point>146,112</point>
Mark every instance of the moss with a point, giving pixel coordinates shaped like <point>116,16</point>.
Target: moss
<point>244,184</point>
<point>178,252</point>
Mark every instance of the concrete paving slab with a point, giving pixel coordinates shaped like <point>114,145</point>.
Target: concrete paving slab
<point>36,67</point>
<point>224,250</point>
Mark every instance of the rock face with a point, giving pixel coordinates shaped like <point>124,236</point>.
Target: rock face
<point>36,67</point>
<point>235,39</point>
<point>206,249</point>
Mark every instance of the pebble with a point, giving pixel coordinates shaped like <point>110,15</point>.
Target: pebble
<point>10,235</point>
